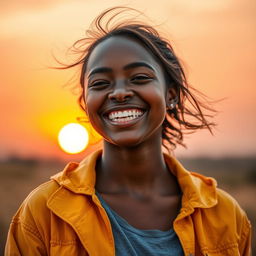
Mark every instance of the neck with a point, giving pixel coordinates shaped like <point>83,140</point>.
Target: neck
<point>125,169</point>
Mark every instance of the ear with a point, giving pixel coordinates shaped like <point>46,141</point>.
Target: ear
<point>171,98</point>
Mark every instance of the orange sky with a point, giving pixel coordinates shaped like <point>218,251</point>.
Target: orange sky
<point>215,39</point>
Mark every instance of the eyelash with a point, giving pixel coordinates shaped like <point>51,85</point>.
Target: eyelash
<point>138,79</point>
<point>99,83</point>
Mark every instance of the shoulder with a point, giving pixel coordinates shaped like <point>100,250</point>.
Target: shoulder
<point>226,217</point>
<point>226,200</point>
<point>226,224</point>
<point>42,193</point>
<point>35,204</point>
<point>215,201</point>
<point>227,203</point>
<point>231,211</point>
<point>31,221</point>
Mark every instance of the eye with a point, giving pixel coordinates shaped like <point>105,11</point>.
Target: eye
<point>99,84</point>
<point>141,79</point>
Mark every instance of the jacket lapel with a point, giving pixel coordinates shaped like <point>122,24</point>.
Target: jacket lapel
<point>87,219</point>
<point>75,202</point>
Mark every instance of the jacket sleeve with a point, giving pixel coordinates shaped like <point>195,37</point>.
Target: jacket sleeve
<point>23,239</point>
<point>245,238</point>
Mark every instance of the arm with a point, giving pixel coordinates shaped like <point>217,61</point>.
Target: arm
<point>245,239</point>
<point>28,233</point>
<point>23,239</point>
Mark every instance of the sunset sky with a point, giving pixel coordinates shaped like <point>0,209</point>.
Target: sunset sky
<point>216,40</point>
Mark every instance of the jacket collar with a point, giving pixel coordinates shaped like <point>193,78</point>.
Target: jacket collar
<point>198,191</point>
<point>79,178</point>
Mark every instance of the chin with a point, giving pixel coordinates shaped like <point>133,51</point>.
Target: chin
<point>125,142</point>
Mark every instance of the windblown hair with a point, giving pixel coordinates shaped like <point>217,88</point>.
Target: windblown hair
<point>188,114</point>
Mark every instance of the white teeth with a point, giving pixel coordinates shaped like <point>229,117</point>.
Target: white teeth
<point>124,116</point>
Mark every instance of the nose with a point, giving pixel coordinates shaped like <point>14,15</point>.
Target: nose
<point>120,93</point>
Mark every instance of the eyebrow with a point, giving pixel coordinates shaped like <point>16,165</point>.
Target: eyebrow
<point>127,67</point>
<point>138,64</point>
<point>100,70</point>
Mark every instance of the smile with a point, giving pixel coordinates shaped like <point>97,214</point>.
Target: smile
<point>124,116</point>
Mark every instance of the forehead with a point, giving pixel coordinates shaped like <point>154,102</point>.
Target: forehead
<point>120,51</point>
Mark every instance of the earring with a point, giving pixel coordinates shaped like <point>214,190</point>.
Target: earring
<point>173,103</point>
<point>171,106</point>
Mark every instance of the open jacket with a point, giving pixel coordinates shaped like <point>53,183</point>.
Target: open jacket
<point>65,217</point>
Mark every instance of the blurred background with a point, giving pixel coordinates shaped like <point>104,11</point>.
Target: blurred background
<point>216,40</point>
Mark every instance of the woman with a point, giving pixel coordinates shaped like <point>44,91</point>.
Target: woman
<point>130,198</point>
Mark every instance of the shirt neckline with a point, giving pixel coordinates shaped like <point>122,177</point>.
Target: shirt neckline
<point>141,232</point>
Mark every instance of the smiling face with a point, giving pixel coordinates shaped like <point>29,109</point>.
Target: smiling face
<point>126,92</point>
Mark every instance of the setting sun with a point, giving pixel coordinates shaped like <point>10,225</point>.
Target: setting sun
<point>73,138</point>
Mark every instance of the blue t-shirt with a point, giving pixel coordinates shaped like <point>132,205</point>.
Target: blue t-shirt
<point>131,241</point>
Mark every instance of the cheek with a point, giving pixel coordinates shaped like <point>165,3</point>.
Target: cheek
<point>92,106</point>
<point>94,101</point>
<point>157,100</point>
<point>155,97</point>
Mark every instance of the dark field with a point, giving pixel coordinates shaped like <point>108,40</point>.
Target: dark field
<point>18,177</point>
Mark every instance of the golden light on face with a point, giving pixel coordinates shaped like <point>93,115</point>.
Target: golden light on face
<point>73,138</point>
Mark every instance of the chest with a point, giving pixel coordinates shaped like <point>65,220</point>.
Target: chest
<point>197,232</point>
<point>146,213</point>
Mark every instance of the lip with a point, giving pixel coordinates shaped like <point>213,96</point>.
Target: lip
<point>123,108</point>
<point>126,123</point>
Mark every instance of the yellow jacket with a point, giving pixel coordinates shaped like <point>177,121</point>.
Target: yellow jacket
<point>65,217</point>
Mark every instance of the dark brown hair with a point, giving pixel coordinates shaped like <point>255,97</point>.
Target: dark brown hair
<point>187,115</point>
